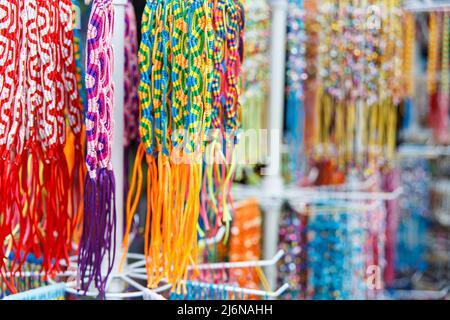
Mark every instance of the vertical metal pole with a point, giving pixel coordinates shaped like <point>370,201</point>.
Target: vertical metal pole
<point>273,182</point>
<point>118,156</point>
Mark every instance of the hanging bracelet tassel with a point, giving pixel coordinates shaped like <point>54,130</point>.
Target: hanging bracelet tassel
<point>99,225</point>
<point>52,127</point>
<point>228,21</point>
<point>10,38</point>
<point>35,184</point>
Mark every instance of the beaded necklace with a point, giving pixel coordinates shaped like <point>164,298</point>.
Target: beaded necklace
<point>360,61</point>
<point>292,267</point>
<point>295,77</point>
<point>339,247</point>
<point>415,178</point>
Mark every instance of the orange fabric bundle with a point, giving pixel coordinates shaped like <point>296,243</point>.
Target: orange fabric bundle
<point>245,243</point>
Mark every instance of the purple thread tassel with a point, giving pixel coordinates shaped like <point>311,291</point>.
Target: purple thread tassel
<point>98,241</point>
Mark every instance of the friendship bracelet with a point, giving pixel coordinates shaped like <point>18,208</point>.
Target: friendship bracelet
<point>38,214</point>
<point>184,45</point>
<point>99,225</point>
<point>295,77</point>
